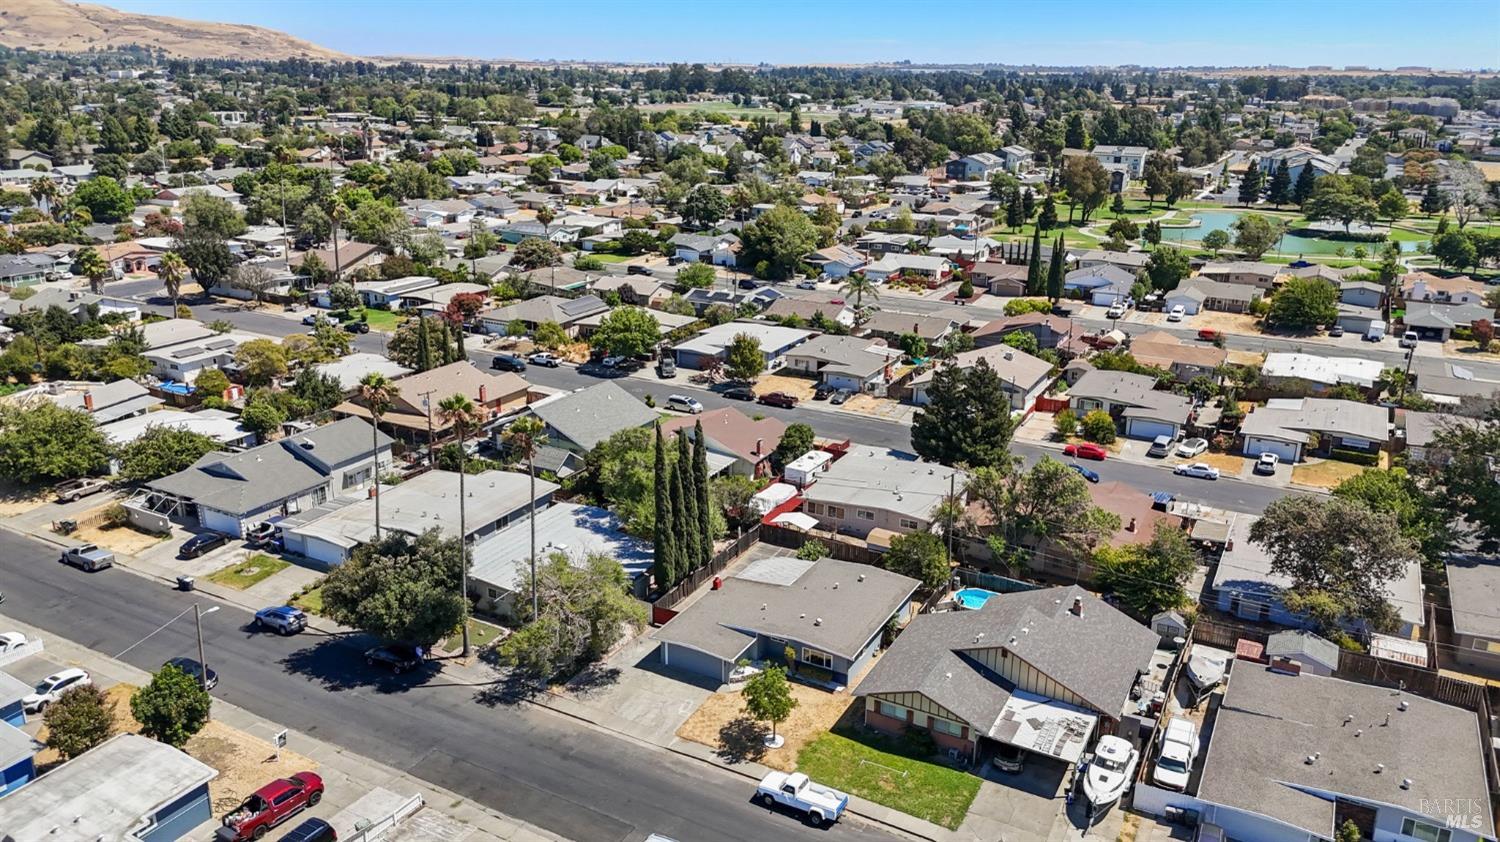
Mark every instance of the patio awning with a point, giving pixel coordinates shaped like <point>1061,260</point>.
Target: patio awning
<point>1043,726</point>
<point>796,520</point>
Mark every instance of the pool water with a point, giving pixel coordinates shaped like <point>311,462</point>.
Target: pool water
<point>1288,245</point>
<point>973,598</point>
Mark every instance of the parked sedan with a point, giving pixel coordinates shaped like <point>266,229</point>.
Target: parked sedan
<point>823,392</point>
<point>75,489</point>
<point>12,642</point>
<point>807,285</point>
<point>781,399</point>
<point>397,657</point>
<point>195,671</point>
<point>1202,470</point>
<point>1192,447</point>
<point>203,543</point>
<point>357,327</point>
<point>840,397</point>
<point>508,362</point>
<point>544,359</point>
<point>1086,450</point>
<point>739,393</point>
<point>1087,473</point>
<point>51,688</point>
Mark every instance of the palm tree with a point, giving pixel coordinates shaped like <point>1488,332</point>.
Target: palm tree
<point>459,411</point>
<point>858,286</point>
<point>337,213</point>
<point>523,436</point>
<point>93,267</point>
<point>44,193</point>
<point>378,392</point>
<point>172,270</point>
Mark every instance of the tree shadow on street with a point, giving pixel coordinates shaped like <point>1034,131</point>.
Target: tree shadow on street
<point>338,664</point>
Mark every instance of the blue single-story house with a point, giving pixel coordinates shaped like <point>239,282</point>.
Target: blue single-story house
<point>17,750</point>
<point>823,618</point>
<point>12,691</point>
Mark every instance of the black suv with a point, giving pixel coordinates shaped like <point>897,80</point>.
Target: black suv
<point>200,544</point>
<point>397,657</point>
<point>508,362</point>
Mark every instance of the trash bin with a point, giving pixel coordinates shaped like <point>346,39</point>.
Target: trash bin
<point>185,583</point>
<point>67,526</point>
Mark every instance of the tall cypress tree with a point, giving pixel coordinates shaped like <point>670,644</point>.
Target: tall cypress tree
<point>1250,185</point>
<point>424,347</point>
<point>691,546</point>
<point>663,540</point>
<point>682,530</point>
<point>1055,271</point>
<point>700,474</point>
<point>1304,186</point>
<point>1034,265</point>
<point>1280,191</point>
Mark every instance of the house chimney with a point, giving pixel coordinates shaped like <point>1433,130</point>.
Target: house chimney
<point>484,394</point>
<point>88,401</point>
<point>1077,609</point>
<point>758,444</point>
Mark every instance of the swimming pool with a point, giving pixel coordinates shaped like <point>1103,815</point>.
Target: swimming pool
<point>973,598</point>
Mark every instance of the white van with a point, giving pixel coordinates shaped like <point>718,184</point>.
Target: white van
<point>1375,332</point>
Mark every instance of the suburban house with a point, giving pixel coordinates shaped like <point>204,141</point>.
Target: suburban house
<point>1042,670</point>
<point>1004,279</point>
<point>1050,330</point>
<point>971,249</point>
<point>1103,285</point>
<point>733,442</point>
<point>825,618</point>
<point>1474,591</point>
<point>534,312</point>
<point>845,362</point>
<point>927,268</point>
<point>1018,159</point>
<point>221,426</point>
<point>869,490</point>
<point>502,562</point>
<point>713,343</point>
<point>351,255</point>
<point>1196,295</point>
<point>891,325</point>
<point>1438,321</point>
<point>578,421</point>
<point>330,533</point>
<point>807,309</point>
<point>1314,655</point>
<point>104,402</point>
<point>17,750</point>
<point>1318,374</point>
<point>1293,428</point>
<point>1024,378</point>
<point>702,298</point>
<point>1244,585</point>
<point>128,787</point>
<point>977,167</point>
<point>225,492</point>
<point>77,303</point>
<point>435,299</point>
<point>1297,157</point>
<point>1421,429</point>
<point>1262,276</point>
<point>1361,294</point>
<point>1132,158</point>
<point>1139,519</point>
<point>882,243</point>
<point>1134,262</point>
<point>1186,360</point>
<point>414,416</point>
<point>351,369</point>
<point>635,290</point>
<point>1293,756</point>
<point>720,250</point>
<point>1133,398</point>
<point>386,294</point>
<point>837,261</point>
<point>1425,286</point>
<point>19,270</point>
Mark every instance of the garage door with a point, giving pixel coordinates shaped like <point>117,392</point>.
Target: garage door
<point>1285,450</point>
<point>1140,428</point>
<point>691,660</point>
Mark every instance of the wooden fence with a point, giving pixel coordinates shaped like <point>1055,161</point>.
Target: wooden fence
<point>1046,404</point>
<point>837,546</point>
<point>662,607</point>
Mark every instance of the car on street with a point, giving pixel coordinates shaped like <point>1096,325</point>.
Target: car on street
<point>809,284</point>
<point>357,327</point>
<point>823,392</point>
<point>12,642</point>
<point>544,359</point>
<point>739,393</point>
<point>821,804</point>
<point>396,657</point>
<point>51,688</point>
<point>1336,331</point>
<point>1087,473</point>
<point>634,269</point>
<point>1179,748</point>
<point>1202,470</point>
<point>683,403</point>
<point>1192,447</point>
<point>282,619</point>
<point>1086,450</point>
<point>271,805</point>
<point>840,397</point>
<point>612,361</point>
<point>312,319</point>
<point>1209,334</point>
<point>508,362</point>
<point>204,542</point>
<point>75,489</point>
<point>1115,312</point>
<point>312,830</point>
<point>1176,313</point>
<point>262,534</point>
<point>781,399</point>
<point>88,557</point>
<point>1266,463</point>
<point>749,283</point>
<point>195,671</point>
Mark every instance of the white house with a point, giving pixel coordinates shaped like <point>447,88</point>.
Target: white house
<point>1132,158</point>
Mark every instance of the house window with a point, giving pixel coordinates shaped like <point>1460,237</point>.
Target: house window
<point>908,523</point>
<point>356,478</point>
<point>813,508</point>
<point>893,711</point>
<point>943,726</point>
<point>491,593</point>
<point>320,496</point>
<point>1424,831</point>
<point>1491,646</point>
<point>816,658</point>
<point>836,512</point>
<point>864,514</point>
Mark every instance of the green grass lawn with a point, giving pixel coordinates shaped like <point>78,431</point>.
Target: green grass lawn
<point>481,634</point>
<point>382,320</point>
<point>248,572</point>
<point>874,768</point>
<point>309,600</point>
<point>609,258</point>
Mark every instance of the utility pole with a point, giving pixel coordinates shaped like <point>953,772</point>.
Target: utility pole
<point>202,664</point>
<point>952,501</point>
<point>531,469</point>
<point>427,410</point>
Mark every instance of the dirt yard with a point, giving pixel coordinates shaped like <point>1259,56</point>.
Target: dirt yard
<point>1325,474</point>
<point>800,387</point>
<point>1227,322</point>
<point>1250,358</point>
<point>124,723</point>
<point>19,500</point>
<point>722,724</point>
<point>244,763</point>
<point>121,539</point>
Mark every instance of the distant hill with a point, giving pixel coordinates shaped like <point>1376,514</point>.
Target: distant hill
<point>76,27</point>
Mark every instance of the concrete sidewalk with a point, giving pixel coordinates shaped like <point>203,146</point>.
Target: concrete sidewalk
<point>345,773</point>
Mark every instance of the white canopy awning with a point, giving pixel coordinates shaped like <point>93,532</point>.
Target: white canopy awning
<point>796,520</point>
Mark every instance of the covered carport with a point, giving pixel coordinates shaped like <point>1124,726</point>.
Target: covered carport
<point>1042,726</point>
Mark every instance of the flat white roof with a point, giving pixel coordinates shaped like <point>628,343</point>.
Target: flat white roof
<point>221,426</point>
<point>772,337</point>
<point>568,528</point>
<point>1044,726</point>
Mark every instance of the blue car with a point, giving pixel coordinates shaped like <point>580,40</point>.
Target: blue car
<point>282,619</point>
<point>1086,473</point>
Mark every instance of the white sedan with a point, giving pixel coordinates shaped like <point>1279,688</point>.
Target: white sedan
<point>11,642</point>
<point>1203,470</point>
<point>1192,447</point>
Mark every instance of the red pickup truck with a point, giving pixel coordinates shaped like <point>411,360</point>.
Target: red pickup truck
<point>271,805</point>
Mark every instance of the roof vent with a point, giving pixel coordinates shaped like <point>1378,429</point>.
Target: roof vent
<point>802,616</point>
<point>1012,640</point>
<point>1387,722</point>
<point>1358,731</point>
<point>1310,759</point>
<point>1379,767</point>
<point>818,621</point>
<point>306,444</point>
<point>1401,705</point>
<point>861,578</point>
<point>763,606</point>
<point>1348,718</point>
<point>1406,783</point>
<point>835,585</point>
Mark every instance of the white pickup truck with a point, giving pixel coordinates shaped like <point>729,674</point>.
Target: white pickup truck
<point>822,804</point>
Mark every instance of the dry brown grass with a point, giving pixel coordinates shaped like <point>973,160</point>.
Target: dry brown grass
<point>124,723</point>
<point>121,539</point>
<point>244,763</point>
<point>1325,474</point>
<point>1227,463</point>
<point>16,500</point>
<point>722,724</point>
<point>800,387</point>
<point>1227,322</point>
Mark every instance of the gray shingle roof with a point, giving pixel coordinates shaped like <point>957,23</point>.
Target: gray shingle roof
<point>1474,589</point>
<point>1303,645</point>
<point>592,415</point>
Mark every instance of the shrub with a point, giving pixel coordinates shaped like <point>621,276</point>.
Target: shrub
<point>1065,422</point>
<point>917,742</point>
<point>115,517</point>
<point>1099,427</point>
<point>812,550</point>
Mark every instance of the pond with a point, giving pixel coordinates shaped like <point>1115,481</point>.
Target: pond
<point>1216,220</point>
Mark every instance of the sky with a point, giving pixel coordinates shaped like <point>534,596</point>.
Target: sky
<point>1443,34</point>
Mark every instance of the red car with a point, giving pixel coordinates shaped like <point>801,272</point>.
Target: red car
<point>271,805</point>
<point>1086,451</point>
<point>1208,334</point>
<point>781,399</point>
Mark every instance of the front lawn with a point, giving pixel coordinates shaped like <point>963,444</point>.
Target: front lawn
<point>876,768</point>
<point>384,321</point>
<point>309,600</point>
<point>481,634</point>
<point>248,572</point>
<point>609,258</point>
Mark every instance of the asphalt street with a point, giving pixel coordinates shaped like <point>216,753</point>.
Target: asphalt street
<point>532,764</point>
